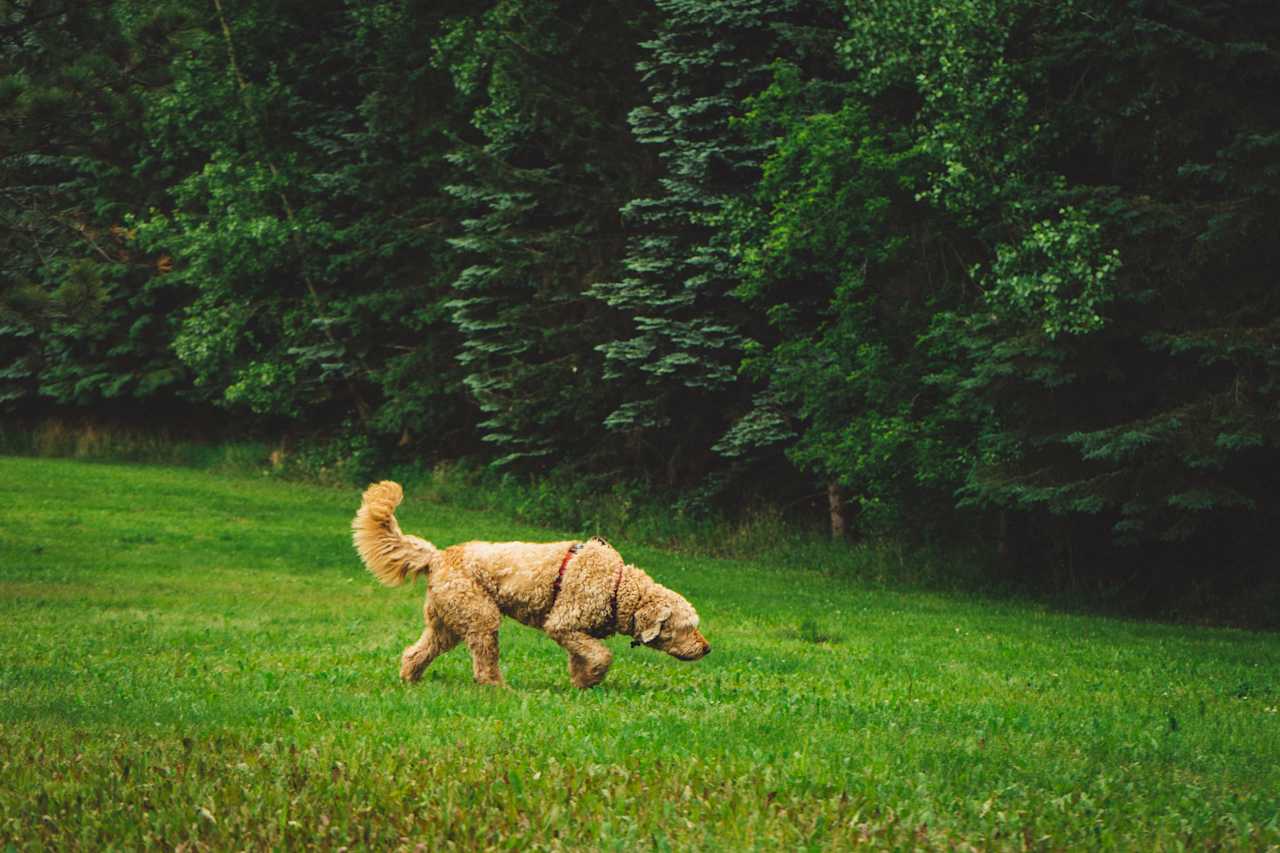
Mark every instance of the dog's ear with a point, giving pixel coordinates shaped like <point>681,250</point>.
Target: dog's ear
<point>649,621</point>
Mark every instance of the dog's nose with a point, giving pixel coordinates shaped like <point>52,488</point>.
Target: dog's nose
<point>706,651</point>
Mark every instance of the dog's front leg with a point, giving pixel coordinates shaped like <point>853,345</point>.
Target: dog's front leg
<point>589,659</point>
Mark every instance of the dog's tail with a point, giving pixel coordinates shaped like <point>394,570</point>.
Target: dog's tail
<point>389,555</point>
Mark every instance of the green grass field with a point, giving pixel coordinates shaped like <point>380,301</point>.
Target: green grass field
<point>194,659</point>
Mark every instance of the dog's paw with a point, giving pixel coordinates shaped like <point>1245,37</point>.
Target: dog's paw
<point>411,666</point>
<point>587,675</point>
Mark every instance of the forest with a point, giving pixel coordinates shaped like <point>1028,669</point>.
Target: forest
<point>952,271</point>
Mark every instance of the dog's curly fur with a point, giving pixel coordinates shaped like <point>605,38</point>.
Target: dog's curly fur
<point>471,585</point>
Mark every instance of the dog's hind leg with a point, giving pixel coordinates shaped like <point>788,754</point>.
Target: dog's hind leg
<point>471,614</point>
<point>589,659</point>
<point>436,639</point>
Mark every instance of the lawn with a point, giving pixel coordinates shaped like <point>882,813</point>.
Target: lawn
<point>195,659</point>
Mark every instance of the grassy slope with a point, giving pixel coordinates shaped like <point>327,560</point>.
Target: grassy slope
<point>193,658</point>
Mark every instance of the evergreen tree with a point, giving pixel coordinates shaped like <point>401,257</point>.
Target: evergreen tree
<point>677,361</point>
<point>544,185</point>
<point>80,324</point>
<point>384,189</point>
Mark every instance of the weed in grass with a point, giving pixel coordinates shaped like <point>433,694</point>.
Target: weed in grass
<point>810,632</point>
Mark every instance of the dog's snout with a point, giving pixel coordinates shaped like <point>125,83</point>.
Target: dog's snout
<point>706,649</point>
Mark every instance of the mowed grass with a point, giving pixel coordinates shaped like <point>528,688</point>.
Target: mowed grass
<point>191,659</point>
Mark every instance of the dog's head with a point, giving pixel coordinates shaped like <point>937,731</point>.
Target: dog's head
<point>665,621</point>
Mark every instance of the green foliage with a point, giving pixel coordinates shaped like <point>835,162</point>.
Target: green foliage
<point>1059,276</point>
<point>1034,276</point>
<point>827,247</point>
<point>995,269</point>
<point>306,218</point>
<point>542,189</point>
<point>678,360</point>
<point>80,323</point>
<point>1095,406</point>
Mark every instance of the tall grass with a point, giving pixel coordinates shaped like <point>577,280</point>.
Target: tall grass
<point>586,506</point>
<point>759,532</point>
<point>90,440</point>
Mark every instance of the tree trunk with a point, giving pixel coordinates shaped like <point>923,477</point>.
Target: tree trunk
<point>1004,542</point>
<point>835,503</point>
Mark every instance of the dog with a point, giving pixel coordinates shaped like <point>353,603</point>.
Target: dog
<point>575,592</point>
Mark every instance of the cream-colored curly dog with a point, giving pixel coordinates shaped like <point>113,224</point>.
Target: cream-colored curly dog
<point>575,592</point>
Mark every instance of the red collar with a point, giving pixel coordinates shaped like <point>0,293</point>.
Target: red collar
<point>568,555</point>
<point>617,584</point>
<point>613,608</point>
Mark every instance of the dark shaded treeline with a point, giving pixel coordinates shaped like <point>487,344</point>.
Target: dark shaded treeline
<point>1002,266</point>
